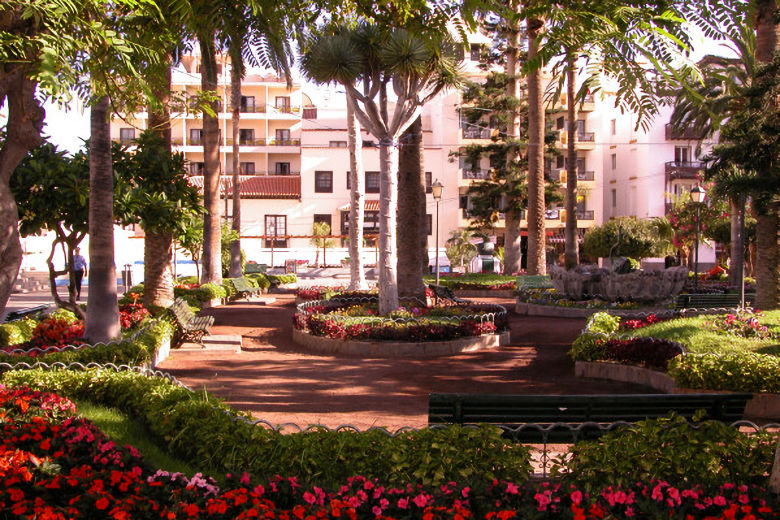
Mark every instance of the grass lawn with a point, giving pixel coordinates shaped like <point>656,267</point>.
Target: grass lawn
<point>699,337</point>
<point>472,279</point>
<point>123,430</point>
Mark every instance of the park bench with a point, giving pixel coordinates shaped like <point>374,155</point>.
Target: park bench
<point>255,268</point>
<point>191,327</point>
<point>243,288</point>
<point>711,301</point>
<point>529,281</point>
<point>445,293</point>
<point>566,419</point>
<point>21,313</point>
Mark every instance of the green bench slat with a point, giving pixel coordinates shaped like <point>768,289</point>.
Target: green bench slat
<point>243,287</point>
<point>705,301</point>
<point>21,313</point>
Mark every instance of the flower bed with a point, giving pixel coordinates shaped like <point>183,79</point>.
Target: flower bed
<point>475,281</point>
<point>551,298</point>
<point>358,319</point>
<point>53,465</point>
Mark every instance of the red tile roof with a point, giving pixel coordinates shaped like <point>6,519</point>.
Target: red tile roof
<point>258,186</point>
<point>369,205</point>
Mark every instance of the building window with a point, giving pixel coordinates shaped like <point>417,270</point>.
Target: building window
<point>560,161</point>
<point>370,225</point>
<point>282,168</point>
<point>318,217</point>
<point>275,230</point>
<point>337,144</point>
<point>196,168</point>
<point>614,197</point>
<point>282,135</point>
<point>247,168</point>
<point>310,113</point>
<point>429,221</point>
<point>247,104</point>
<point>372,182</point>
<point>246,137</point>
<point>349,183</point>
<point>614,161</point>
<point>196,136</point>
<point>475,51</point>
<point>613,126</point>
<point>428,182</point>
<point>682,154</point>
<point>126,135</point>
<point>283,103</point>
<point>323,182</point>
<point>560,123</point>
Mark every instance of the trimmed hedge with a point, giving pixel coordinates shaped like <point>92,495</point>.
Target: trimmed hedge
<point>734,371</point>
<point>199,428</point>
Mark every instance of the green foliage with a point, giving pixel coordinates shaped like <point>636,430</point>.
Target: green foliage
<point>258,280</point>
<point>734,371</point>
<point>638,239</point>
<point>708,453</point>
<point>459,249</point>
<point>589,346</point>
<point>190,238</point>
<point>282,279</point>
<point>65,315</point>
<point>195,427</point>
<point>16,332</point>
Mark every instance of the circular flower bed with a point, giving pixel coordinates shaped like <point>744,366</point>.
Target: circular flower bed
<point>358,319</point>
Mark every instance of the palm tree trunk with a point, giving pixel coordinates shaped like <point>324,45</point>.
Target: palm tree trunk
<point>512,240</point>
<point>571,252</point>
<point>22,133</point>
<point>357,275</point>
<point>102,322</point>
<point>235,101</point>
<point>158,246</point>
<point>388,206</point>
<point>212,258</point>
<point>536,228</point>
<point>737,252</point>
<point>412,229</point>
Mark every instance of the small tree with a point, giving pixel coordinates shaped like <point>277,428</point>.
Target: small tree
<point>625,236</point>
<point>190,239</point>
<point>682,218</point>
<point>321,230</point>
<point>460,251</point>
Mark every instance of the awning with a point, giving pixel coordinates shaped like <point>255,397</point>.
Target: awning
<point>369,205</point>
<point>257,186</point>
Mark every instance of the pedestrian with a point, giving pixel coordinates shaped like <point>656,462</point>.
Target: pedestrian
<point>79,270</point>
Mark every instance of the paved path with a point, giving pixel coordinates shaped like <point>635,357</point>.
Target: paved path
<point>278,381</point>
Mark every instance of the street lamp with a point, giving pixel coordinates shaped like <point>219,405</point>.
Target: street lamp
<point>436,188</point>
<point>697,196</point>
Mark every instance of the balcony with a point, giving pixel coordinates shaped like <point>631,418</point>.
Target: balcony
<point>252,109</point>
<point>587,214</point>
<point>260,142</point>
<point>552,214</point>
<point>686,134</point>
<point>476,132</point>
<point>586,140</point>
<point>310,113</point>
<point>684,170</point>
<point>559,175</point>
<point>284,109</point>
<point>475,173</point>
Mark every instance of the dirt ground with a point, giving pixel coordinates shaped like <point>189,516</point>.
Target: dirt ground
<point>278,381</point>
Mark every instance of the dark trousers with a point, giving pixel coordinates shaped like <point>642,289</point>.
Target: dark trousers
<point>78,276</point>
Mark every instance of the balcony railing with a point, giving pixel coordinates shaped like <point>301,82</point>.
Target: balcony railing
<point>263,142</point>
<point>288,109</point>
<point>472,173</point>
<point>685,134</point>
<point>476,132</point>
<point>284,142</point>
<point>559,175</point>
<point>684,169</point>
<point>252,109</point>
<point>587,214</point>
<point>586,137</point>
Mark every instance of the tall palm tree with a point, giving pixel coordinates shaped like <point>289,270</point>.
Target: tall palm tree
<point>571,245</point>
<point>376,59</point>
<point>412,237</point>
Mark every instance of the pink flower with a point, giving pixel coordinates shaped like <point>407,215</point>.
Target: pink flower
<point>512,489</point>
<point>376,511</point>
<point>420,500</point>
<point>244,478</point>
<point>576,497</point>
<point>309,498</point>
<point>465,492</point>
<point>259,490</point>
<point>719,501</point>
<point>743,499</point>
<point>543,500</point>
<point>403,503</point>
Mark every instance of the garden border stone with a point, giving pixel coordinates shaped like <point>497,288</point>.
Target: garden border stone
<point>382,349</point>
<point>555,311</point>
<point>761,405</point>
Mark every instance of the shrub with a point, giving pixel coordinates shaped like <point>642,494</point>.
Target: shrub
<point>258,280</point>
<point>282,279</point>
<point>649,352</point>
<point>590,345</point>
<point>639,238</point>
<point>199,428</point>
<point>15,332</point>
<point>706,453</point>
<point>734,371</point>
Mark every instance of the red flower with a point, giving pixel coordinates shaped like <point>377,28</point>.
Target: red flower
<point>102,503</point>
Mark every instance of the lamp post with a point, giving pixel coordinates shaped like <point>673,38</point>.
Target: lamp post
<point>436,188</point>
<point>697,196</point>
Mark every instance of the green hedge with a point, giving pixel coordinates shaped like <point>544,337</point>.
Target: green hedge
<point>281,279</point>
<point>258,280</point>
<point>196,427</point>
<point>734,371</point>
<point>589,346</point>
<point>16,332</point>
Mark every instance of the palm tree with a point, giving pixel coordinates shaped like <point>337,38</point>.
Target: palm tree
<point>417,72</point>
<point>571,245</point>
<point>412,237</point>
<point>357,195</point>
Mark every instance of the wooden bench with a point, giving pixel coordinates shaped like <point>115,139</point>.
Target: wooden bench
<point>534,281</point>
<point>191,327</point>
<point>21,313</point>
<point>566,419</point>
<point>243,288</point>
<point>445,293</point>
<point>711,301</point>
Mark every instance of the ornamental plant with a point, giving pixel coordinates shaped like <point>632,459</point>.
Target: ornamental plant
<point>731,371</point>
<point>743,324</point>
<point>649,352</point>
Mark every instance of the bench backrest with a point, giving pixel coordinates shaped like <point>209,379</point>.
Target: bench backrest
<point>712,300</point>
<point>535,281</point>
<point>181,310</point>
<point>577,409</point>
<point>242,284</point>
<point>441,291</point>
<point>21,313</point>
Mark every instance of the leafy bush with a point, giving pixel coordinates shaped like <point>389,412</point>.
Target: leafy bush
<point>258,280</point>
<point>649,352</point>
<point>64,315</point>
<point>201,429</point>
<point>639,238</point>
<point>735,371</point>
<point>282,279</point>
<point>590,345</point>
<point>707,453</point>
<point>187,280</point>
<point>15,332</point>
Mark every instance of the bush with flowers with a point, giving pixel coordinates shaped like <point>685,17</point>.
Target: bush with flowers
<point>745,323</point>
<point>53,465</point>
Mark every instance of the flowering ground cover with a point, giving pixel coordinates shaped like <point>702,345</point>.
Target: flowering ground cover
<point>551,297</point>
<point>54,465</point>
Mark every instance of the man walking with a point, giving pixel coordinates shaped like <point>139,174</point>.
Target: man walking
<point>79,270</point>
